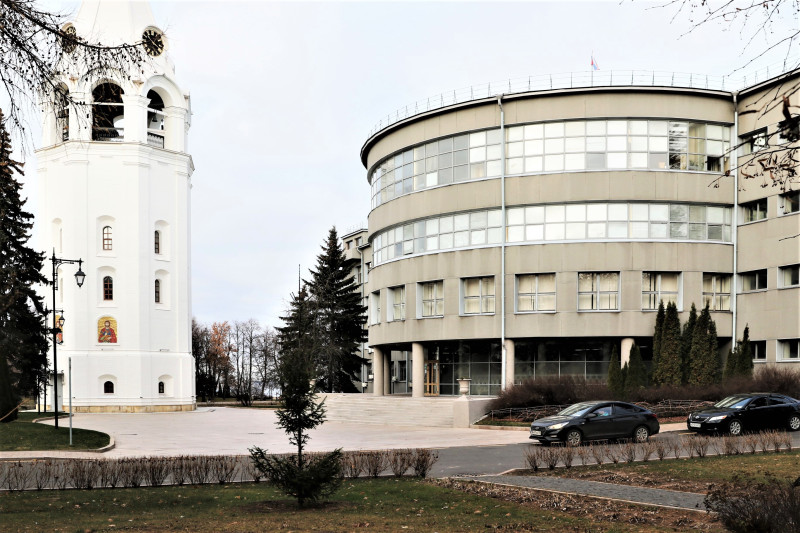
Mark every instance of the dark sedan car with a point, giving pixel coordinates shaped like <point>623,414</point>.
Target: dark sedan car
<point>745,412</point>
<point>596,420</point>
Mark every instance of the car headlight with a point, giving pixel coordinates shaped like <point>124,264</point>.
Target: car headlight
<point>717,418</point>
<point>558,426</point>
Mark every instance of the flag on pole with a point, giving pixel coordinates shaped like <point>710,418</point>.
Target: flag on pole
<point>594,63</point>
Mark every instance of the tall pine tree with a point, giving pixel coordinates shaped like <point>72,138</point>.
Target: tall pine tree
<point>616,381</point>
<point>744,362</point>
<point>686,342</point>
<point>636,377</point>
<point>668,369</point>
<point>23,334</point>
<point>658,332</point>
<point>704,364</point>
<point>340,319</point>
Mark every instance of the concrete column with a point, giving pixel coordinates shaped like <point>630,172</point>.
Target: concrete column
<point>135,109</point>
<point>377,371</point>
<point>625,351</point>
<point>80,118</point>
<point>387,374</point>
<point>417,370</point>
<point>510,375</point>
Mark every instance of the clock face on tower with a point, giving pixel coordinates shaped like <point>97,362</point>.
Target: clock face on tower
<point>153,42</point>
<point>68,39</point>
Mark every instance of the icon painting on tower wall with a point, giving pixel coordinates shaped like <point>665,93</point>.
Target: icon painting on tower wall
<point>60,334</point>
<point>107,330</point>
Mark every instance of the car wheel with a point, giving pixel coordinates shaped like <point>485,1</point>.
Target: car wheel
<point>734,428</point>
<point>794,422</point>
<point>641,434</point>
<point>573,437</point>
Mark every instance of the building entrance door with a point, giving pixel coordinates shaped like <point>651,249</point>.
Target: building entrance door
<point>431,378</point>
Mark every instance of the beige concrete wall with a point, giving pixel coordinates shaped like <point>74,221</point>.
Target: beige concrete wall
<point>566,260</point>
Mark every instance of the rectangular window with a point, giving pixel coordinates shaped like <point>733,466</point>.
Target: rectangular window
<point>759,350</point>
<point>790,276</point>
<point>432,299</point>
<point>398,303</point>
<point>478,296</point>
<point>536,292</point>
<point>754,142</point>
<point>753,211</point>
<point>598,291</point>
<point>791,202</point>
<point>717,291</point>
<point>375,308</point>
<point>788,349</point>
<point>754,281</point>
<point>659,286</point>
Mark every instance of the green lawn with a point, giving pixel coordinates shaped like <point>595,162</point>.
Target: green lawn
<point>364,504</point>
<point>22,435</point>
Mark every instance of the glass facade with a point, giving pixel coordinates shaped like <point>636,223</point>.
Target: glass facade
<point>478,360</point>
<point>576,145</point>
<point>555,222</point>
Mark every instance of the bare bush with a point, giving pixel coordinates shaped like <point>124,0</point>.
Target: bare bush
<point>567,455</point>
<point>550,457</point>
<point>549,391</point>
<point>533,457</point>
<point>424,459</point>
<point>598,452</point>
<point>746,506</point>
<point>249,471</point>
<point>584,453</point>
<point>732,445</point>
<point>42,474</point>
<point>83,473</point>
<point>374,463</point>
<point>399,461</point>
<point>675,446</point>
<point>132,472</point>
<point>661,449</point>
<point>647,449</point>
<point>60,477</point>
<point>786,441</point>
<point>613,452</point>
<point>763,441</point>
<point>109,473</point>
<point>156,469</point>
<point>629,451</point>
<point>15,475</point>
<point>179,470</point>
<point>352,464</point>
<point>223,468</point>
<point>699,445</point>
<point>199,468</point>
<point>751,443</point>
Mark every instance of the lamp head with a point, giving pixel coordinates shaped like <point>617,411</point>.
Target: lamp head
<point>80,277</point>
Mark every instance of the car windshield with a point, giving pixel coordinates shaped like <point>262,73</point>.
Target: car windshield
<point>577,409</point>
<point>733,402</point>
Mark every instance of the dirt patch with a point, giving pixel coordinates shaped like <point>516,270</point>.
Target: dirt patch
<point>587,507</point>
<point>636,479</point>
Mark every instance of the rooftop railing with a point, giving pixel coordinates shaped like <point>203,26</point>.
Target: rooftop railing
<point>582,80</point>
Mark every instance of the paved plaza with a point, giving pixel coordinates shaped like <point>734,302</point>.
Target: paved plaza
<point>228,430</point>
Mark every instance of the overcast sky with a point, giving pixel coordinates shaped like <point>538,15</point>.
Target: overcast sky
<point>285,94</point>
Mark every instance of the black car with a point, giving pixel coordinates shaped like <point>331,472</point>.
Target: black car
<point>745,412</point>
<point>596,420</point>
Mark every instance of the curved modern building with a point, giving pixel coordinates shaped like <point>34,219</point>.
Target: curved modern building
<point>528,234</point>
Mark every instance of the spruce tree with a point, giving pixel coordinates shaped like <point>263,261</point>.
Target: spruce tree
<point>636,377</point>
<point>23,335</point>
<point>304,477</point>
<point>713,351</point>
<point>616,381</point>
<point>703,364</point>
<point>340,319</point>
<point>744,361</point>
<point>658,332</point>
<point>668,369</point>
<point>686,343</point>
<point>732,362</point>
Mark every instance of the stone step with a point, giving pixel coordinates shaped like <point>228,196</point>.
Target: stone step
<point>389,410</point>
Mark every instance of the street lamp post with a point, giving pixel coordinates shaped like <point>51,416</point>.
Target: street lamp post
<point>58,321</point>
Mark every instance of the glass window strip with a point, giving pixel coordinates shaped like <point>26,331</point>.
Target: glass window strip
<point>605,221</point>
<point>655,144</point>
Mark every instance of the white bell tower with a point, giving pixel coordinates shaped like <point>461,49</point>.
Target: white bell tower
<point>114,191</point>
